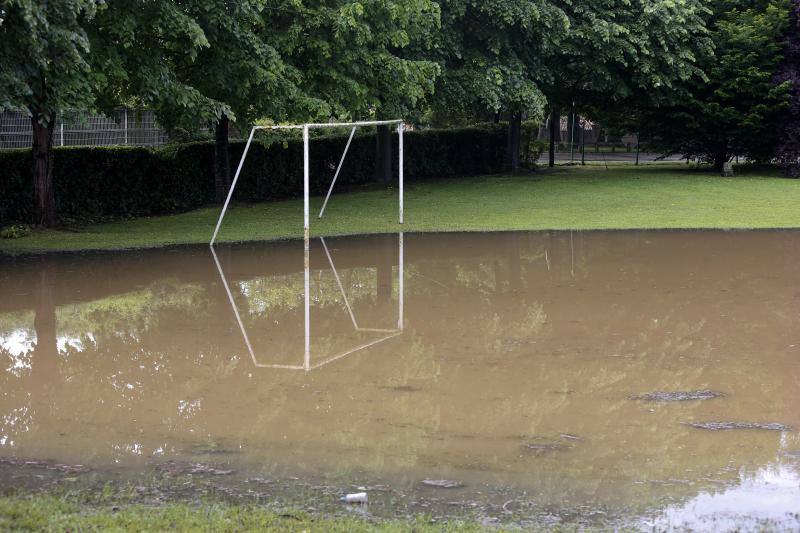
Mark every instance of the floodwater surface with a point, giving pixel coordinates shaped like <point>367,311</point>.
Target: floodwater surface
<point>642,378</point>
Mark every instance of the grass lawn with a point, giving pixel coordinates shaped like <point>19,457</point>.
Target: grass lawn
<point>51,513</point>
<point>582,198</point>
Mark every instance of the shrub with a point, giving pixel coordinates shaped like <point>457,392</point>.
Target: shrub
<point>532,145</point>
<point>16,231</point>
<point>95,183</point>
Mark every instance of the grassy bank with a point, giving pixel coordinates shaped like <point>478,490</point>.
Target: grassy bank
<point>621,197</point>
<point>51,513</point>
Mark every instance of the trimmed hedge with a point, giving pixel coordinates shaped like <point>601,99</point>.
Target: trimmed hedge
<point>93,183</point>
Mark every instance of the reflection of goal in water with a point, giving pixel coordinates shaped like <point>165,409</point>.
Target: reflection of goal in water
<point>387,333</point>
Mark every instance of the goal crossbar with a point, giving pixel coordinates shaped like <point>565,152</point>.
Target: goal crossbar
<point>306,164</point>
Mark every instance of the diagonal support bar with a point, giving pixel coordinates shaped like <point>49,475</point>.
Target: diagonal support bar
<point>307,357</point>
<point>233,186</point>
<point>339,283</point>
<point>354,350</point>
<point>400,303</point>
<point>338,169</point>
<point>233,306</point>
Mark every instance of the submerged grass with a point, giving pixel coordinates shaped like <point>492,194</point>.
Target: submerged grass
<point>581,198</point>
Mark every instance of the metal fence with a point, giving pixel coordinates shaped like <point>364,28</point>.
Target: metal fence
<point>125,127</point>
<point>581,140</point>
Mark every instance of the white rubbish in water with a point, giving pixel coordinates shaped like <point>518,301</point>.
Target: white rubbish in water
<point>356,497</point>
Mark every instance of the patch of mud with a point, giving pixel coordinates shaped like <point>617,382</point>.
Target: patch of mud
<point>210,448</point>
<point>259,480</point>
<point>542,444</point>
<point>402,388</point>
<point>181,468</point>
<point>678,396</point>
<point>543,448</point>
<point>48,465</point>
<point>728,426</point>
<point>442,483</point>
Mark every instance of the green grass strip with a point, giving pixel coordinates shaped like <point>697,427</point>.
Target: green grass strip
<point>580,198</point>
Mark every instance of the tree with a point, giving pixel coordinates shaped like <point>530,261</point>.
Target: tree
<point>81,54</point>
<point>507,55</point>
<point>620,51</point>
<point>43,57</point>
<point>154,54</point>
<point>788,149</point>
<point>491,54</point>
<point>735,110</point>
<point>361,58</point>
<point>240,68</point>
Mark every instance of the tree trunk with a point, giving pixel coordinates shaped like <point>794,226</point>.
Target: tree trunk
<point>719,161</point>
<point>514,134</point>
<point>45,361</point>
<point>43,191</point>
<point>45,380</point>
<point>555,130</point>
<point>383,155</point>
<point>222,160</point>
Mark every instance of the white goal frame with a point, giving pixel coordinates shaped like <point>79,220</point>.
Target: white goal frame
<point>306,164</point>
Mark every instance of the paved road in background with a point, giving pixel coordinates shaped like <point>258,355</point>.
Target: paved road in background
<point>616,157</point>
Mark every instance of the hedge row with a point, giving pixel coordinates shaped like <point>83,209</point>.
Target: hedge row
<point>93,183</point>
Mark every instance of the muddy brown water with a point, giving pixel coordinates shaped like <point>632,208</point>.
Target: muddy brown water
<point>534,371</point>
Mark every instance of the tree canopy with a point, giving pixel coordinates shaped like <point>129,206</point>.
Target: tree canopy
<point>788,150</point>
<point>492,55</point>
<point>735,108</point>
<point>44,56</point>
<point>354,56</point>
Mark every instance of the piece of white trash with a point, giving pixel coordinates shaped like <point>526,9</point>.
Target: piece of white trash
<point>357,497</point>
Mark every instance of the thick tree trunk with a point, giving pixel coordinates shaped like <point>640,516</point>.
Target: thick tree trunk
<point>555,131</point>
<point>719,161</point>
<point>383,155</point>
<point>222,160</point>
<point>514,135</point>
<point>43,190</point>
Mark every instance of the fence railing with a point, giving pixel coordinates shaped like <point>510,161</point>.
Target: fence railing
<point>125,127</point>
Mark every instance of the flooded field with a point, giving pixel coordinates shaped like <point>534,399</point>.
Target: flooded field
<point>606,378</point>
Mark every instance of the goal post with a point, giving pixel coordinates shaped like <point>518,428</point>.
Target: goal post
<point>306,165</point>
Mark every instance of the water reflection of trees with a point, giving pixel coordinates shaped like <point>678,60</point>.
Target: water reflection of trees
<point>508,339</point>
